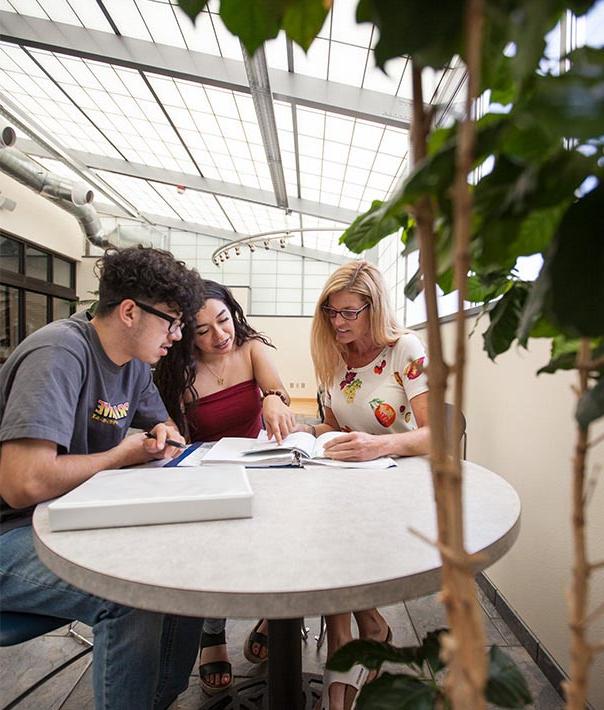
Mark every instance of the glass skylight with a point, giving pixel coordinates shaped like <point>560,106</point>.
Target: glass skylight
<point>111,115</point>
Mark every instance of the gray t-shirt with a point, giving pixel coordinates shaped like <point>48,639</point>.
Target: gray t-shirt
<point>59,385</point>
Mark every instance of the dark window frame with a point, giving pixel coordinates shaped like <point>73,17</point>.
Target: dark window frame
<point>24,283</point>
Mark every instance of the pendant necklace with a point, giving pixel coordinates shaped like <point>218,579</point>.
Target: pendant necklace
<point>219,378</point>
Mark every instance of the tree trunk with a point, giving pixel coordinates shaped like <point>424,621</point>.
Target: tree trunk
<point>580,650</point>
<point>464,647</point>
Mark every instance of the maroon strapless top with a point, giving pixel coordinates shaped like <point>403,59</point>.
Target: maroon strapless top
<point>235,411</point>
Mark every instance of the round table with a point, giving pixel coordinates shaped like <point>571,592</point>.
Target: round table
<point>322,540</point>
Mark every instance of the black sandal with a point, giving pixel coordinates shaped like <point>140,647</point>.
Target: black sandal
<point>214,667</point>
<point>259,638</point>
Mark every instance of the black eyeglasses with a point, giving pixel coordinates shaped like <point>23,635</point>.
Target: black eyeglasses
<point>346,313</point>
<point>175,323</point>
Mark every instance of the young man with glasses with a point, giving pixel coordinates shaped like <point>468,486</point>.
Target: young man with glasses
<point>68,395</point>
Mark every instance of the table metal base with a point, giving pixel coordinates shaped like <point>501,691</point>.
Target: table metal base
<point>253,695</point>
<point>285,687</point>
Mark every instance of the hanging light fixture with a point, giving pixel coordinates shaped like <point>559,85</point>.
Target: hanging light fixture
<point>264,239</point>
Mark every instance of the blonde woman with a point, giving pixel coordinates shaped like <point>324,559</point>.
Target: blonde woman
<point>372,373</point>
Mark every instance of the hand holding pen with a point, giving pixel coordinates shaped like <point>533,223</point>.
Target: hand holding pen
<point>169,442</point>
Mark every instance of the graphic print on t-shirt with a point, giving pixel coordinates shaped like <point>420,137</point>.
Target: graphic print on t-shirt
<point>107,413</point>
<point>383,412</point>
<point>414,369</point>
<point>350,385</point>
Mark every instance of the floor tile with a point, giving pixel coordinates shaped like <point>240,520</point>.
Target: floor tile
<point>409,621</point>
<point>428,613</point>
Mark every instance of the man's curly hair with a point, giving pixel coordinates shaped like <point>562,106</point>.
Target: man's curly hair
<point>151,275</point>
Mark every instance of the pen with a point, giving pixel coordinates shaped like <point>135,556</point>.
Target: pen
<point>170,442</point>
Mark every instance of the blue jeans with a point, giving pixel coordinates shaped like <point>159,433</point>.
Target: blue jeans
<point>141,659</point>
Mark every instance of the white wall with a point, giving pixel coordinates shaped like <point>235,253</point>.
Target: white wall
<point>39,220</point>
<point>291,336</point>
<point>521,426</point>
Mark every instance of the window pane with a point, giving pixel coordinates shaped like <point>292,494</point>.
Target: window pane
<point>9,254</point>
<point>36,264</point>
<point>9,320</point>
<point>35,311</point>
<point>62,272</point>
<point>61,308</point>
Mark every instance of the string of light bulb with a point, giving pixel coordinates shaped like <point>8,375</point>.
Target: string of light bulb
<point>263,239</point>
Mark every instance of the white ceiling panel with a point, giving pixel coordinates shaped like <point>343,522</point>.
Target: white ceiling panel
<point>180,116</point>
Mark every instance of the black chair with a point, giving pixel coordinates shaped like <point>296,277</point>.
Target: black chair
<point>18,627</point>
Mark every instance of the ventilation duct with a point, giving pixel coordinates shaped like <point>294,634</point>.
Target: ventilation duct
<point>75,198</point>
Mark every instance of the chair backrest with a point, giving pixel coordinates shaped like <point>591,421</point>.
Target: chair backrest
<point>320,409</point>
<point>449,413</point>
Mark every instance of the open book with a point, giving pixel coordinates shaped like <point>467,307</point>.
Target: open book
<point>297,449</point>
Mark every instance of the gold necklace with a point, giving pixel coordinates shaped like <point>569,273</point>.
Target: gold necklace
<point>219,378</point>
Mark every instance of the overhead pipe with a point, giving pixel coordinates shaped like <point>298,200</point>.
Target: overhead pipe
<point>74,198</point>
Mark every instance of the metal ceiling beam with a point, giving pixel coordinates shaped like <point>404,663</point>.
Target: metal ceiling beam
<point>223,234</point>
<point>202,68</point>
<point>260,87</point>
<point>193,182</point>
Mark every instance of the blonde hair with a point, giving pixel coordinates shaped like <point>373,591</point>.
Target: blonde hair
<point>362,278</point>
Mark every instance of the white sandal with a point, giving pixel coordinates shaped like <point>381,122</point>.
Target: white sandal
<point>355,678</point>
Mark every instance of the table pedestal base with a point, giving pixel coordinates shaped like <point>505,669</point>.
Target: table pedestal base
<point>253,695</point>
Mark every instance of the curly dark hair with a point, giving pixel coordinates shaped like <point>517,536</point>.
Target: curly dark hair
<point>152,275</point>
<point>175,373</point>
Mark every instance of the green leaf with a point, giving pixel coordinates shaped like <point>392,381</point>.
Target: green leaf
<point>446,281</point>
<point>398,692</point>
<point>435,174</point>
<point>253,21</point>
<point>571,105</point>
<point>537,230</point>
<point>504,318</point>
<point>409,238</point>
<point>564,353</point>
<point>591,405</point>
<point>543,329</point>
<point>370,654</point>
<point>414,286</point>
<point>485,287</point>
<point>303,20</point>
<point>429,650</point>
<point>496,68</point>
<point>576,268</point>
<point>403,30</point>
<point>530,22</point>
<point>535,307</point>
<point>372,226</point>
<point>525,138</point>
<point>192,7</point>
<point>506,686</point>
<point>500,242</point>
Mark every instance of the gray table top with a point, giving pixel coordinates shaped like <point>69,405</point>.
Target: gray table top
<point>322,540</point>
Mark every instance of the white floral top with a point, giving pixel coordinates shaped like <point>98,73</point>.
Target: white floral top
<point>376,398</point>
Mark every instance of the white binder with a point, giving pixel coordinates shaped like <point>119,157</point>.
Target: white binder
<point>151,496</point>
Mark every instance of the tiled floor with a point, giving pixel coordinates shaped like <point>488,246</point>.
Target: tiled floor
<point>22,665</point>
